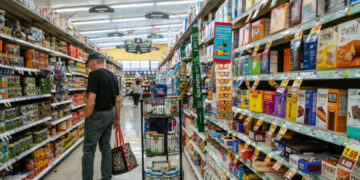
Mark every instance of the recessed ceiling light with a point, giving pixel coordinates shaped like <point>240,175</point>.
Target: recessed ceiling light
<point>174,2</point>
<point>128,19</point>
<point>71,9</point>
<point>132,5</point>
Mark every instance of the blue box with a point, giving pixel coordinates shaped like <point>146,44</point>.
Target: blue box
<point>265,63</point>
<point>304,166</point>
<point>310,52</point>
<point>310,107</point>
<point>235,146</point>
<point>246,65</point>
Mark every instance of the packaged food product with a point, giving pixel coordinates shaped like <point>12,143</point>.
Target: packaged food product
<point>268,104</point>
<point>2,18</point>
<point>255,101</point>
<point>308,10</point>
<point>310,107</point>
<point>245,64</point>
<point>265,63</point>
<point>248,4</point>
<point>245,99</point>
<point>295,12</point>
<point>331,171</point>
<point>280,104</point>
<point>310,50</point>
<point>326,50</point>
<point>255,64</point>
<point>353,115</point>
<point>260,29</point>
<point>287,53</point>
<point>348,47</point>
<point>300,117</point>
<point>321,108</point>
<point>291,106</point>
<point>247,34</point>
<point>279,18</point>
<point>327,6</point>
<point>337,110</point>
<point>296,54</point>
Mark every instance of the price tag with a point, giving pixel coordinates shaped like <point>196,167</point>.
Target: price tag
<point>256,49</point>
<point>272,82</point>
<point>298,35</point>
<point>267,47</point>
<point>304,178</point>
<point>249,50</point>
<point>258,124</point>
<point>236,160</point>
<point>272,129</point>
<point>281,133</point>
<point>277,165</point>
<point>228,134</point>
<point>257,152</point>
<point>246,145</point>
<point>268,159</point>
<point>295,87</point>
<point>283,85</point>
<point>349,158</point>
<point>256,83</point>
<point>241,116</point>
<point>314,32</point>
<point>247,82</point>
<point>290,173</point>
<point>247,120</point>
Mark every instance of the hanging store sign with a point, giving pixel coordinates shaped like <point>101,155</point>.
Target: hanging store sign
<point>222,42</point>
<point>155,36</point>
<point>157,15</point>
<point>101,9</point>
<point>138,45</point>
<point>115,34</point>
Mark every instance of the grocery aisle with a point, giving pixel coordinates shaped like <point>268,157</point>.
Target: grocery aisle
<point>70,167</point>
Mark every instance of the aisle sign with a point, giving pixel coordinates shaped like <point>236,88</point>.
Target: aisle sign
<point>349,158</point>
<point>222,42</point>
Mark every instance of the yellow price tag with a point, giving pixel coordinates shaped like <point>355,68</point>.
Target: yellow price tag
<point>236,160</point>
<point>298,35</point>
<point>290,173</point>
<point>315,29</point>
<point>248,119</point>
<point>247,82</point>
<point>241,116</point>
<point>349,11</point>
<point>233,136</point>
<point>351,153</point>
<point>256,83</point>
<point>246,145</point>
<point>304,178</point>
<point>268,44</point>
<point>346,73</point>
<point>257,152</point>
<point>273,126</point>
<point>259,122</point>
<point>228,134</point>
<point>256,49</point>
<point>268,159</point>
<point>277,165</point>
<point>349,158</point>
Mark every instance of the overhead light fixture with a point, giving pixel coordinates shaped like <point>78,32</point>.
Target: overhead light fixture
<point>99,31</point>
<point>71,9</point>
<point>174,2</point>
<point>113,47</point>
<point>122,42</point>
<point>91,22</point>
<point>128,19</point>
<point>132,5</point>
<point>104,38</point>
<point>126,29</point>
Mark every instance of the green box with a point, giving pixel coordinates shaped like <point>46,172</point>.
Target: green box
<point>255,64</point>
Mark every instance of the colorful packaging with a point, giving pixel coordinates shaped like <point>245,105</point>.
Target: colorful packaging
<point>326,52</point>
<point>287,60</point>
<point>310,107</point>
<point>353,115</point>
<point>245,99</point>
<point>296,54</point>
<point>255,101</point>
<point>327,6</point>
<point>245,64</point>
<point>300,117</point>
<point>321,108</point>
<point>274,62</point>
<point>265,63</point>
<point>255,64</point>
<point>295,12</point>
<point>308,10</point>
<point>310,50</point>
<point>247,34</point>
<point>241,36</point>
<point>348,49</point>
<point>260,29</point>
<point>279,18</point>
<point>337,110</point>
<point>291,106</point>
<point>280,104</point>
<point>268,103</point>
<point>330,170</point>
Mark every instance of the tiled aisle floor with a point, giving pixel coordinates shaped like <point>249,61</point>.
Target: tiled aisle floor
<point>70,167</point>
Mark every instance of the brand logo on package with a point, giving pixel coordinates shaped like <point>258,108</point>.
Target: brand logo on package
<point>157,15</point>
<point>222,42</point>
<point>101,9</point>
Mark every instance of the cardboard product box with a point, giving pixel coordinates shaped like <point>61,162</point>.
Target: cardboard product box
<point>260,29</point>
<point>248,4</point>
<point>303,148</point>
<point>255,64</point>
<point>240,66</point>
<point>326,48</point>
<point>300,117</point>
<point>348,46</point>
<point>274,61</point>
<point>268,102</point>
<point>327,6</point>
<point>337,110</point>
<point>294,159</point>
<point>280,104</point>
<point>265,63</point>
<point>330,171</point>
<point>353,115</point>
<point>257,136</point>
<point>279,146</point>
<point>296,54</point>
<point>287,53</point>
<point>245,64</point>
<point>245,99</point>
<point>241,36</point>
<point>247,34</point>
<point>321,108</point>
<point>279,18</point>
<point>310,50</point>
<point>310,107</point>
<point>240,7</point>
<point>312,165</point>
<point>245,153</point>
<point>291,106</point>
<point>295,12</point>
<point>255,101</point>
<point>308,11</point>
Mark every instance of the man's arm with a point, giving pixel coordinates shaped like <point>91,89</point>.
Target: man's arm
<point>90,104</point>
<point>117,111</point>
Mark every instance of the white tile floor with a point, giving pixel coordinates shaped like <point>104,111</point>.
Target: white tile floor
<point>70,167</point>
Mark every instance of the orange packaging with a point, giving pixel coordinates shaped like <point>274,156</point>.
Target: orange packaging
<point>287,60</point>
<point>337,110</point>
<point>260,29</point>
<point>331,171</point>
<point>279,18</point>
<point>348,49</point>
<point>0,46</point>
<point>245,153</point>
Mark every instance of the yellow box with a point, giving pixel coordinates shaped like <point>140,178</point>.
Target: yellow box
<point>250,176</point>
<point>291,107</point>
<point>326,51</point>
<point>255,101</point>
<point>245,99</point>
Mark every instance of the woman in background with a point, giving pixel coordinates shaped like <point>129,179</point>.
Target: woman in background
<point>137,89</point>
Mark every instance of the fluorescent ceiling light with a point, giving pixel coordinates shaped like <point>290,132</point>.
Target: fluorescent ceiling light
<point>99,31</point>
<point>129,19</point>
<point>91,22</point>
<point>138,35</point>
<point>113,47</point>
<point>71,9</point>
<point>136,28</point>
<point>174,2</point>
<point>122,42</point>
<point>132,5</point>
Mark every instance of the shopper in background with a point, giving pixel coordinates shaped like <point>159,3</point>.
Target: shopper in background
<point>137,89</point>
<point>103,96</point>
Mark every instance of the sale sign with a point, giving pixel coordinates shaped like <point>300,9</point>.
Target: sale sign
<point>222,42</point>
<point>349,158</point>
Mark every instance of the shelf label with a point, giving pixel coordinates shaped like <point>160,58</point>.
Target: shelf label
<point>256,83</point>
<point>256,49</point>
<point>267,47</point>
<point>236,159</point>
<point>268,159</point>
<point>247,82</point>
<point>272,129</point>
<point>247,120</point>
<point>277,165</point>
<point>281,132</point>
<point>349,158</point>
<point>257,152</point>
<point>272,82</point>
<point>290,173</point>
<point>258,124</point>
<point>314,32</point>
<point>283,85</point>
<point>241,116</point>
<point>246,145</point>
<point>295,87</point>
<point>298,35</point>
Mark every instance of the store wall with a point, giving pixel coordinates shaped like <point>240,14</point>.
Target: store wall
<point>121,54</point>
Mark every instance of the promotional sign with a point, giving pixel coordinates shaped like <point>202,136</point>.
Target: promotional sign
<point>138,45</point>
<point>349,158</point>
<point>222,42</point>
<point>197,91</point>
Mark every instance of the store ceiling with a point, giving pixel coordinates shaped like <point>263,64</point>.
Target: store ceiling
<point>128,18</point>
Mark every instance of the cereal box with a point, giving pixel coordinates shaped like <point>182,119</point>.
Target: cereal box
<point>248,4</point>
<point>245,61</point>
<point>260,29</point>
<point>255,64</point>
<point>327,6</point>
<point>274,61</point>
<point>265,63</point>
<point>279,18</point>
<point>348,46</point>
<point>291,106</point>
<point>326,52</point>
<point>321,107</point>
<point>247,34</point>
<point>295,12</point>
<point>268,102</point>
<point>337,110</point>
<point>310,49</point>
<point>255,101</point>
<point>287,60</point>
<point>329,170</point>
<point>280,104</point>
<point>300,117</point>
<point>353,115</point>
<point>245,99</point>
<point>310,107</point>
<point>308,11</point>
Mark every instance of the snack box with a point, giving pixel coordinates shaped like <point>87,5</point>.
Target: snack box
<point>330,171</point>
<point>300,117</point>
<point>311,165</point>
<point>250,176</point>
<point>265,63</point>
<point>296,54</point>
<point>301,148</point>
<point>294,159</point>
<point>255,64</point>
<point>255,101</point>
<point>235,146</point>
<point>247,34</point>
<point>321,108</point>
<point>280,104</point>
<point>326,50</point>
<point>295,12</point>
<point>279,18</point>
<point>287,53</point>
<point>308,11</point>
<point>310,50</point>
<point>353,115</point>
<point>268,104</point>
<point>291,106</point>
<point>257,136</point>
<point>310,107</point>
<point>241,36</point>
<point>260,29</point>
<point>274,62</point>
<point>348,46</point>
<point>337,110</point>
<point>245,99</point>
<point>245,153</point>
<point>327,6</point>
<point>245,64</point>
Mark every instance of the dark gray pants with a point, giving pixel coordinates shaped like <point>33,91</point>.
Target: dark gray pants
<point>97,129</point>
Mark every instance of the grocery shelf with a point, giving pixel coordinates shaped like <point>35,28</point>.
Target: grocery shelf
<point>190,113</point>
<point>78,106</point>
<point>22,155</point>
<point>61,103</point>
<point>277,38</point>
<point>26,126</point>
<point>217,161</point>
<point>211,4</point>
<point>77,89</point>
<point>186,132</point>
<point>316,74</point>
<point>198,150</point>
<point>58,135</point>
<point>80,74</point>
<point>201,135</point>
<point>60,120</point>
<point>24,98</point>
<point>195,169</point>
<point>312,131</point>
<point>208,101</point>
<point>57,160</point>
<point>207,41</point>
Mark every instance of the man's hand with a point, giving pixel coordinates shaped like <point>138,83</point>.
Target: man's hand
<point>90,104</point>
<point>116,124</point>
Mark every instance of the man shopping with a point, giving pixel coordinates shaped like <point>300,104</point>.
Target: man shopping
<point>103,96</point>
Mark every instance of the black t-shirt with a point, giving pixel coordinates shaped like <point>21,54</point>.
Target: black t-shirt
<point>104,84</point>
